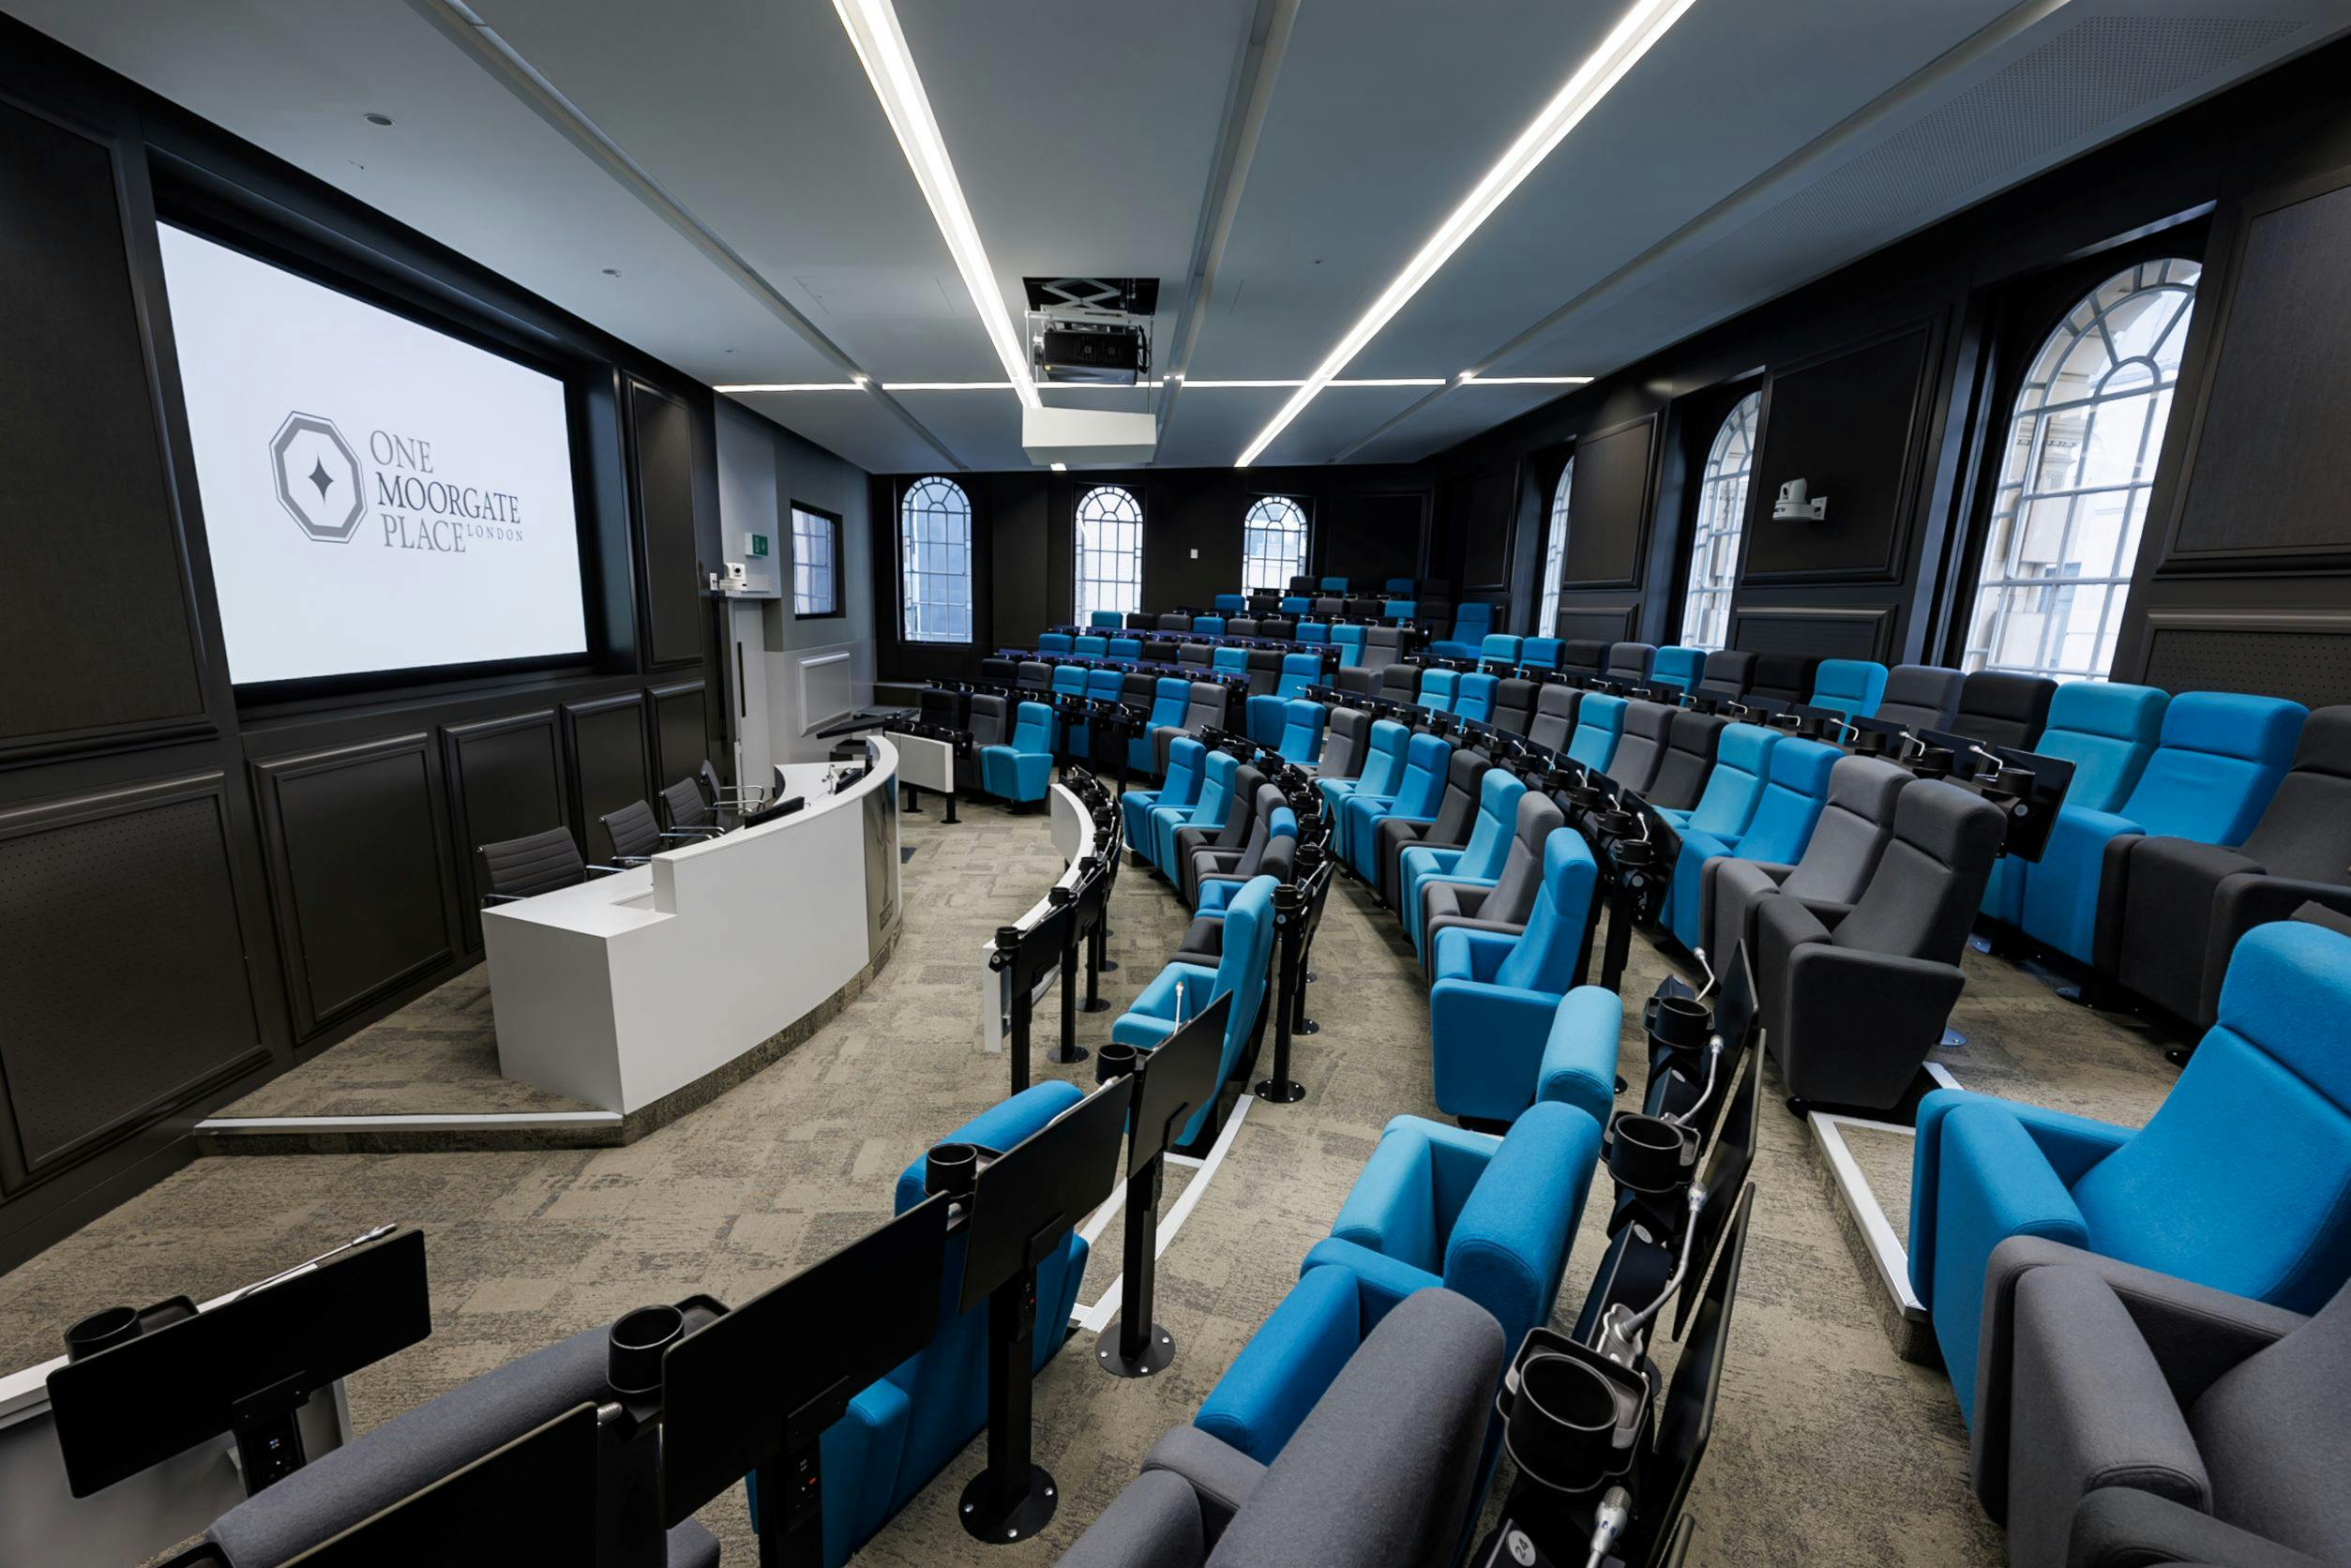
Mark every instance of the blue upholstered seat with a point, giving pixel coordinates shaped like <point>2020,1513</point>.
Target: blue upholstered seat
<point>2216,762</point>
<point>1229,658</point>
<point>1170,698</point>
<point>902,1429</point>
<point>1498,651</point>
<point>1216,889</point>
<point>1383,765</point>
<point>1490,1010</point>
<point>2241,1181</point>
<point>1312,631</point>
<point>1477,861</point>
<point>1248,948</point>
<point>1232,604</point>
<point>1300,740</point>
<point>1398,610</point>
<point>1208,626</point>
<point>1472,621</point>
<point>1355,830</point>
<point>1438,689</point>
<point>1335,585</point>
<point>1795,789</point>
<point>1473,697</point>
<point>1296,604</point>
<point>2107,731</point>
<point>1089,645</point>
<point>1599,725</point>
<point>1677,667</point>
<point>1267,711</point>
<point>1019,770</point>
<point>1539,653</point>
<point>1491,1218</point>
<point>1348,639</point>
<point>1109,618</point>
<point>1852,686</point>
<point>1177,791</point>
<point>1126,647</point>
<point>1054,643</point>
<point>1742,755</point>
<point>1207,811</point>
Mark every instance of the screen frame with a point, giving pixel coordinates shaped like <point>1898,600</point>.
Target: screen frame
<point>335,266</point>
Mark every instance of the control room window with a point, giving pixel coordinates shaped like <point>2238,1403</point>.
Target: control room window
<point>1722,513</point>
<point>1272,543</point>
<point>816,563</point>
<point>1109,551</point>
<point>935,563</point>
<point>2076,476</point>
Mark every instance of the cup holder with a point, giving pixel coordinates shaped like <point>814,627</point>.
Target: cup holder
<point>102,1330</point>
<point>1114,1060</point>
<point>1616,824</point>
<point>1562,1422</point>
<point>952,1169</point>
<point>1933,762</point>
<point>1678,1022</point>
<point>1647,1154</point>
<point>1871,743</point>
<point>633,1349</point>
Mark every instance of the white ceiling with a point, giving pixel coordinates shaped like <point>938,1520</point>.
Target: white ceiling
<point>730,161</point>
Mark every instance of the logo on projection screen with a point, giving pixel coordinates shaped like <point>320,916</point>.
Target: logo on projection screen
<point>318,478</point>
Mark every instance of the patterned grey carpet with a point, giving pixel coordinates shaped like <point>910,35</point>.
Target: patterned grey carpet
<point>1830,1451</point>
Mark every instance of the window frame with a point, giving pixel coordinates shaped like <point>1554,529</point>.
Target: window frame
<point>833,567</point>
<point>1296,505</point>
<point>2004,513</point>
<point>1708,525</point>
<point>1556,521</point>
<point>908,600</point>
<point>1080,611</point>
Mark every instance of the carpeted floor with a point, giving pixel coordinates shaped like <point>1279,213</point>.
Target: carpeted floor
<point>1828,1450</point>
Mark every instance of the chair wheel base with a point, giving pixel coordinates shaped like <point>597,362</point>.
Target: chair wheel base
<point>984,1521</point>
<point>1282,1092</point>
<point>1158,1351</point>
<point>1067,1056</point>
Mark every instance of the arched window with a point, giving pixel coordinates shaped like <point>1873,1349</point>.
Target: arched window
<point>2075,478</point>
<point>1722,513</point>
<point>1109,551</point>
<point>935,563</point>
<point>1272,543</point>
<point>1554,554</point>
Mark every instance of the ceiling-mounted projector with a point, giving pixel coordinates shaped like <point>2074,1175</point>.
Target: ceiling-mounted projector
<point>1090,331</point>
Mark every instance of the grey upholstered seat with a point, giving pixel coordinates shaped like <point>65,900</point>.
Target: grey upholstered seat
<point>1457,812</point>
<point>1853,831</point>
<point>1727,675</point>
<point>1173,621</point>
<point>1205,712</point>
<point>2000,708</point>
<point>1159,650</point>
<point>527,867</point>
<point>1034,675</point>
<point>1920,697</point>
<point>1554,722</point>
<point>2124,1416</point>
<point>1504,906</point>
<point>1329,607</point>
<point>1784,678</point>
<point>1383,646</point>
<point>1584,657</point>
<point>2170,910</point>
<point>1629,662</point>
<point>1400,682</point>
<point>1688,758</point>
<point>1232,834</point>
<point>988,719</point>
<point>1853,999</point>
<point>1240,626</point>
<point>1195,653</point>
<point>1380,1474</point>
<point>1641,751</point>
<point>1265,670</point>
<point>1212,864</point>
<point>1513,705</point>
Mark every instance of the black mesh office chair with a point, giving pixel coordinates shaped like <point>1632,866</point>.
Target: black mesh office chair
<point>688,812</point>
<point>536,863</point>
<point>636,838</point>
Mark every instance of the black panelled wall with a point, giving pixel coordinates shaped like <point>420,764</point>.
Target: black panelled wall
<point>195,893</point>
<point>1887,387</point>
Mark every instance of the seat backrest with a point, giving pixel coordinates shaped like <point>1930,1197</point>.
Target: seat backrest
<point>1398,610</point>
<point>1301,731</point>
<point>1784,677</point>
<point>1498,647</point>
<point>950,710</point>
<point>1169,697</point>
<point>1140,692</point>
<point>1296,604</point>
<point>683,803</point>
<point>1217,772</point>
<point>1583,656</point>
<point>1521,877</point>
<point>1539,653</point>
<point>1473,621</point>
<point>1743,761</point>
<point>1852,686</point>
<point>2000,707</point>
<point>2107,731</point>
<point>1543,958</point>
<point>1690,748</point>
<point>1729,673</point>
<point>1794,792</point>
<point>1854,829</point>
<point>1599,725</point>
<point>1206,708</point>
<point>2217,763</point>
<point>1350,640</point>
<point>1923,895</point>
<point>987,718</point>
<point>1457,806</point>
<point>1336,584</point>
<point>1137,620</point>
<point>1554,722</point>
<point>2306,832</point>
<point>1513,705</point>
<point>1920,697</point>
<point>1383,646</point>
<point>1647,731</point>
<point>1677,667</point>
<point>1473,697</point>
<point>1383,764</point>
<point>1091,645</point>
<point>1055,643</point>
<point>2263,1106</point>
<point>1034,675</point>
<point>1312,631</point>
<point>1348,733</point>
<point>1069,680</point>
<point>1159,650</point>
<point>1173,621</point>
<point>1365,607</point>
<point>1438,688</point>
<point>1193,653</point>
<point>1187,761</point>
<point>1208,625</point>
<point>1230,603</point>
<point>533,863</point>
<point>1423,781</point>
<point>1498,794</point>
<point>1242,626</point>
<point>1329,607</point>
<point>1105,686</point>
<point>1629,662</point>
<point>1269,801</point>
<point>1301,586</point>
<point>1400,682</point>
<point>1033,728</point>
<point>1299,672</point>
<point>1240,971</point>
<point>1281,626</point>
<point>632,830</point>
<point>1506,1245</point>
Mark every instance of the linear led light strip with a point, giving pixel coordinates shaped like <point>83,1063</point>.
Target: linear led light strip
<point>1618,53</point>
<point>873,28</point>
<point>1227,386</point>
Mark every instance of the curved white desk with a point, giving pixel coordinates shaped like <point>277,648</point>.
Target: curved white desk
<point>630,986</point>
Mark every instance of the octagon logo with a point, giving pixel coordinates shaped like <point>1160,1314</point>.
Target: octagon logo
<point>318,478</point>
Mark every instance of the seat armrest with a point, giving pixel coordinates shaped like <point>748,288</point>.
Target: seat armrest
<point>1221,1476</point>
<point>1286,1366</point>
<point>1831,913</point>
<point>1380,1281</point>
<point>2121,1526</point>
<point>1158,1521</point>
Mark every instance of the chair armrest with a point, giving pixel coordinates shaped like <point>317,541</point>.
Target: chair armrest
<point>2089,1408</point>
<point>1221,1477</point>
<point>1381,1281</point>
<point>1579,1056</point>
<point>1828,912</point>
<point>1156,1521</point>
<point>1286,1366</point>
<point>1473,956</point>
<point>2121,1526</point>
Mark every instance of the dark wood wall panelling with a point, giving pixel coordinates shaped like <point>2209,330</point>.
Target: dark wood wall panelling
<point>193,891</point>
<point>1877,379</point>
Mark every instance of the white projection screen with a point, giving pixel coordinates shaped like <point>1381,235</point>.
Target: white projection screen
<point>377,495</point>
